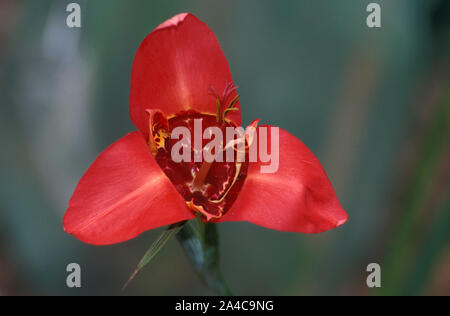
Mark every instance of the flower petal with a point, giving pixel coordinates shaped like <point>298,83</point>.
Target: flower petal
<point>123,194</point>
<point>298,197</point>
<point>174,69</point>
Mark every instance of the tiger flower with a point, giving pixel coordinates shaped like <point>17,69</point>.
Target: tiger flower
<point>180,81</point>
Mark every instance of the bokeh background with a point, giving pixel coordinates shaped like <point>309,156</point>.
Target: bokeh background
<point>372,104</point>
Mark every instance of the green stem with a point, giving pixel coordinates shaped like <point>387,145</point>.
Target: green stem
<point>200,241</point>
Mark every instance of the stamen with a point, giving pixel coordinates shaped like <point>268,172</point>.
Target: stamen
<point>235,99</point>
<point>158,126</point>
<point>229,89</point>
<point>218,110</point>
<point>213,92</point>
<point>226,111</point>
<point>230,107</point>
<point>222,100</point>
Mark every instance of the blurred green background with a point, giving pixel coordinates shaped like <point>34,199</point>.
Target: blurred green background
<point>372,104</point>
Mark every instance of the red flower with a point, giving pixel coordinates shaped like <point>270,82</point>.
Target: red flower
<point>135,186</point>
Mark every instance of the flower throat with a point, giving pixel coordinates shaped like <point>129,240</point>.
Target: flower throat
<point>209,188</point>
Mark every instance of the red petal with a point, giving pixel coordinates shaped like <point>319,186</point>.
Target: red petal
<point>298,197</point>
<point>174,68</point>
<point>123,194</point>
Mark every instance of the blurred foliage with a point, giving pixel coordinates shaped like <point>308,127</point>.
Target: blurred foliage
<point>373,104</point>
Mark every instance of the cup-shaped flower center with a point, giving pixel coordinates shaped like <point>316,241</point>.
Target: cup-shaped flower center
<point>208,177</point>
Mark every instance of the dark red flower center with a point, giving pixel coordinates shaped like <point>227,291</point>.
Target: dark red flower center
<point>209,188</point>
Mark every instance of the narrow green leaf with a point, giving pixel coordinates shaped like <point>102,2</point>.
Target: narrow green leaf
<point>157,245</point>
<point>201,244</point>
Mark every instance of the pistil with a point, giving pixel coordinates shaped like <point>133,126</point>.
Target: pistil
<point>201,175</point>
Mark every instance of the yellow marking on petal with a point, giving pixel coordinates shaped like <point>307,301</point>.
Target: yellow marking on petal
<point>201,210</point>
<point>236,175</point>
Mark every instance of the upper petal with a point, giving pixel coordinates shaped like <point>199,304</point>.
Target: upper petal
<point>298,197</point>
<point>123,194</point>
<point>174,68</point>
